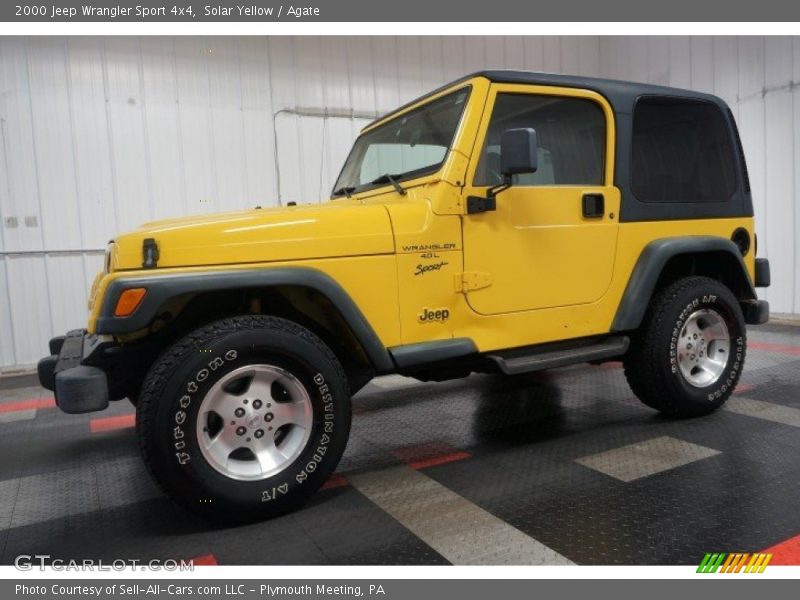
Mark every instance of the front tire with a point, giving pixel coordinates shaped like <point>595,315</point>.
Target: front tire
<point>245,418</point>
<point>688,355</point>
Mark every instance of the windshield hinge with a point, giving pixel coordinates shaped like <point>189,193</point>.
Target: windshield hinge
<point>472,280</point>
<point>479,204</point>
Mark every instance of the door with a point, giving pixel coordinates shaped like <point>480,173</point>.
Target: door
<point>551,240</point>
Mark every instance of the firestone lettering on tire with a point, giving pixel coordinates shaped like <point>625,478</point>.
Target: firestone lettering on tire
<point>185,401</point>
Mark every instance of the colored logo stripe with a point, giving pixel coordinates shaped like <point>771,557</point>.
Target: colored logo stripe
<point>711,563</point>
<point>734,562</point>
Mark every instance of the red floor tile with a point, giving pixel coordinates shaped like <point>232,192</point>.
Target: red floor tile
<point>612,364</point>
<point>779,348</point>
<point>334,481</point>
<point>112,423</point>
<point>27,404</point>
<point>439,460</point>
<point>786,552</point>
<point>429,455</point>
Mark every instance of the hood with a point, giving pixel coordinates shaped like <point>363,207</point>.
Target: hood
<point>334,229</point>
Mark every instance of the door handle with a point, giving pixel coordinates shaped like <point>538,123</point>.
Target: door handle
<point>594,205</point>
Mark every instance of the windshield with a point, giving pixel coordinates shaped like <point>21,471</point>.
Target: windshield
<point>413,144</point>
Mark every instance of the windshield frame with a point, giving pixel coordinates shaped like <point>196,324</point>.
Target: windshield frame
<point>391,118</point>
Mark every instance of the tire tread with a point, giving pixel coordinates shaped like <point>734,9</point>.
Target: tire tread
<point>169,361</point>
<point>646,377</point>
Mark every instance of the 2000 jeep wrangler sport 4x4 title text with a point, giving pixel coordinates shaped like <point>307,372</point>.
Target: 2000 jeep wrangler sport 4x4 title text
<point>505,223</point>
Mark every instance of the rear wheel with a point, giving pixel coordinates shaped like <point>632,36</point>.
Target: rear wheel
<point>245,418</point>
<point>688,354</point>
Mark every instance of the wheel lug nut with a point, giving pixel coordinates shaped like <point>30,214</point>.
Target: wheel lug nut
<point>259,433</point>
<point>257,404</point>
<point>240,430</point>
<point>246,400</point>
<point>239,412</point>
<point>268,417</point>
<point>689,346</point>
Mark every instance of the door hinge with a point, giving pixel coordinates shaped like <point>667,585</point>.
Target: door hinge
<point>472,280</point>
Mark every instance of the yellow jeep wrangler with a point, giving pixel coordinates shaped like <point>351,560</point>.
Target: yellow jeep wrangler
<point>505,223</point>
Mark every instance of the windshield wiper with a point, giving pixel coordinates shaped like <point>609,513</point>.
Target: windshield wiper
<point>344,191</point>
<point>387,178</point>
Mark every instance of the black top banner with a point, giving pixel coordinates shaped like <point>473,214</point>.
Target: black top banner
<point>150,11</point>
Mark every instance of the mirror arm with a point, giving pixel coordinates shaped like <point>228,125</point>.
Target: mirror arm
<point>493,191</point>
<point>479,204</point>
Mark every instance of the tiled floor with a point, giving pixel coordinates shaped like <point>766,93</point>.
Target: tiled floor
<point>646,458</point>
<point>558,467</point>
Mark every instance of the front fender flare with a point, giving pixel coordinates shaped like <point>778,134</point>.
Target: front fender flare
<point>162,287</point>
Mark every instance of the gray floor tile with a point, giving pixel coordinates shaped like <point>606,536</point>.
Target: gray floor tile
<point>759,409</point>
<point>459,530</point>
<point>18,415</point>
<point>643,459</point>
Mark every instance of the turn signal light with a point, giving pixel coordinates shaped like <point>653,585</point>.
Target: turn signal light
<point>129,301</point>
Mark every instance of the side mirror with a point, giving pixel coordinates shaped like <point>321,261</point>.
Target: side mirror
<point>519,152</point>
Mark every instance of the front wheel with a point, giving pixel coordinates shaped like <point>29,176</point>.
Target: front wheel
<point>688,354</point>
<point>245,418</point>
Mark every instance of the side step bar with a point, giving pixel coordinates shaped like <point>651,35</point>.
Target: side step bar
<point>551,358</point>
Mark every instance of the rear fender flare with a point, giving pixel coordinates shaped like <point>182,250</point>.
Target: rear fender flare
<point>650,266</point>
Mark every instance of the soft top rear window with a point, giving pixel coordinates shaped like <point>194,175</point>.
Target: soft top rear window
<point>682,151</point>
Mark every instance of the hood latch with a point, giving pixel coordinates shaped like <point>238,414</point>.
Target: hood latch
<point>149,253</point>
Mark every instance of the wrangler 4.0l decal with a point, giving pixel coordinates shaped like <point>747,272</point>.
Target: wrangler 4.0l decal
<point>428,247</point>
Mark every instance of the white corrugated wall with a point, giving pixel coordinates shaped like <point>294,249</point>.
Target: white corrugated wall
<point>100,134</point>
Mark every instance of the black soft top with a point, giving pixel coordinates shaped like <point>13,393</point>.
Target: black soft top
<point>622,96</point>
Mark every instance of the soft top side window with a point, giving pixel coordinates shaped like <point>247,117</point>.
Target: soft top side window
<point>682,151</point>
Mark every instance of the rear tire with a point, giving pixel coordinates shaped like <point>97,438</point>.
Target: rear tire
<point>686,358</point>
<point>245,418</point>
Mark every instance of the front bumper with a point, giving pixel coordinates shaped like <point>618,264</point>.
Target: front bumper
<point>78,387</point>
<point>755,312</point>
